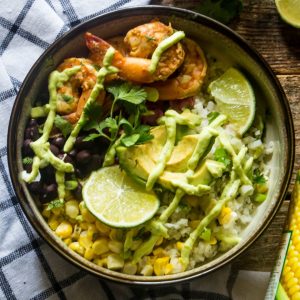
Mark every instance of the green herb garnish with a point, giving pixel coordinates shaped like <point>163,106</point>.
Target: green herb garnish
<point>221,155</point>
<point>258,177</point>
<point>27,160</point>
<point>221,10</point>
<point>63,125</point>
<point>57,203</point>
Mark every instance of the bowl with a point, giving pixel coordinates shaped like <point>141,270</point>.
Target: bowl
<point>214,38</point>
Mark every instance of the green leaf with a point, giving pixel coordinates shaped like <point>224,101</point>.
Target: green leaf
<point>130,140</point>
<point>145,137</point>
<point>91,137</point>
<point>93,111</point>
<point>63,125</point>
<point>126,125</point>
<point>111,124</point>
<point>127,92</point>
<point>258,177</point>
<point>57,203</point>
<point>212,116</point>
<point>27,160</point>
<point>222,156</point>
<point>221,10</point>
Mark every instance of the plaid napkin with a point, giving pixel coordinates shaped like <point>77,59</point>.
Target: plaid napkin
<point>29,268</point>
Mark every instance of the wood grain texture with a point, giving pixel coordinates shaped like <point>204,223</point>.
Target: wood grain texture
<point>279,43</point>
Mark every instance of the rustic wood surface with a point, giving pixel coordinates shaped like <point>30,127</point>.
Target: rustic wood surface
<point>279,43</point>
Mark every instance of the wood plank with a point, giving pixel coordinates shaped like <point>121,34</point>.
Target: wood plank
<point>260,24</point>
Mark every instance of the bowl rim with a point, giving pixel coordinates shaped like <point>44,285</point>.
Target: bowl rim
<point>165,11</point>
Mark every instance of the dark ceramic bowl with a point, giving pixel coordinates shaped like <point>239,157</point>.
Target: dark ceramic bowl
<point>214,38</point>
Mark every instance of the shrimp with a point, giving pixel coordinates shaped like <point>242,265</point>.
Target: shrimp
<point>136,69</point>
<point>73,95</point>
<point>190,77</point>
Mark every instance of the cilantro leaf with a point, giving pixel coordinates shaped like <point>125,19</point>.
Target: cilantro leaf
<point>221,155</point>
<point>258,177</point>
<point>127,92</point>
<point>57,203</point>
<point>63,125</point>
<point>212,116</point>
<point>221,10</point>
<point>93,110</point>
<point>130,140</point>
<point>27,160</point>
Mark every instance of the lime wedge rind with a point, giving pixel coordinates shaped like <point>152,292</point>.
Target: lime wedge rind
<point>121,203</point>
<point>235,98</point>
<point>289,11</point>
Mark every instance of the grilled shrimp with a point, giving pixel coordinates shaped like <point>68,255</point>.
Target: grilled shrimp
<point>73,95</point>
<point>190,77</point>
<point>137,68</point>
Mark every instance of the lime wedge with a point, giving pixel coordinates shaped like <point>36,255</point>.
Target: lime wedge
<point>116,200</point>
<point>289,11</point>
<point>235,99</point>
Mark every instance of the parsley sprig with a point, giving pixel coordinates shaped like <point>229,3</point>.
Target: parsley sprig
<point>131,98</point>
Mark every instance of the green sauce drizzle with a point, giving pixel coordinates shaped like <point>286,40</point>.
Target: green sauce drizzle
<point>102,73</point>
<point>163,46</point>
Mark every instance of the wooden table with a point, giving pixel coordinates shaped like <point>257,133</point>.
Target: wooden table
<point>279,43</point>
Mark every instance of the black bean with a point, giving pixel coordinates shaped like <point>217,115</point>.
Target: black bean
<point>54,150</point>
<point>35,187</point>
<point>59,142</point>
<point>78,192</point>
<point>48,174</point>
<point>80,144</point>
<point>49,192</point>
<point>73,153</point>
<point>32,123</point>
<point>32,133</point>
<point>96,161</point>
<point>66,158</point>
<point>83,157</point>
<point>26,149</point>
<point>28,168</point>
<point>81,173</point>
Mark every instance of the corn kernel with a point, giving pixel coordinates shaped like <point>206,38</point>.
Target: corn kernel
<point>147,270</point>
<point>67,241</point>
<point>160,265</point>
<point>84,240</point>
<point>102,227</point>
<point>115,246</point>
<point>57,211</point>
<point>46,212</point>
<point>159,241</point>
<point>159,252</point>
<point>91,230</point>
<point>135,244</point>
<point>225,215</point>
<point>168,269</point>
<point>89,254</point>
<point>84,225</point>
<point>101,262</point>
<point>115,234</point>
<point>296,296</point>
<point>53,223</point>
<point>75,246</point>
<point>213,240</point>
<point>64,230</point>
<point>179,245</point>
<point>100,246</point>
<point>115,262</point>
<point>129,268</point>
<point>72,209</point>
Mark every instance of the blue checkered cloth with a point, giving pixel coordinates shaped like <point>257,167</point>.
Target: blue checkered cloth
<point>29,268</point>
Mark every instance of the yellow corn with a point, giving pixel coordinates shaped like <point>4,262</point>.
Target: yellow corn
<point>115,246</point>
<point>64,230</point>
<point>67,241</point>
<point>72,209</point>
<point>84,240</point>
<point>147,270</point>
<point>75,246</point>
<point>46,212</point>
<point>100,246</point>
<point>102,228</point>
<point>160,265</point>
<point>225,215</point>
<point>86,215</point>
<point>89,254</point>
<point>53,223</point>
<point>179,245</point>
<point>168,269</point>
<point>193,224</point>
<point>290,279</point>
<point>101,261</point>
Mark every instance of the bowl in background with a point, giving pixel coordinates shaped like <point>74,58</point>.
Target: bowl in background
<point>214,38</point>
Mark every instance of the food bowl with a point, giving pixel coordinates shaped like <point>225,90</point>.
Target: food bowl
<point>214,38</point>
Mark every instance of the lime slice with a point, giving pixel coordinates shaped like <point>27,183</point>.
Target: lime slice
<point>235,99</point>
<point>289,11</point>
<point>116,200</point>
